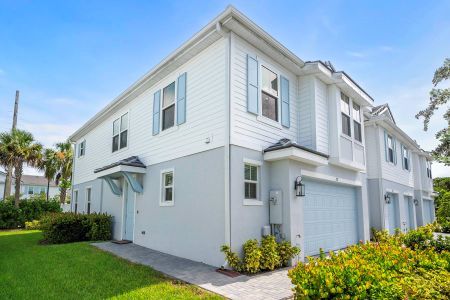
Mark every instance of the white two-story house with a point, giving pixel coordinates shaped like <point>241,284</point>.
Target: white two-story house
<point>230,137</point>
<point>399,176</point>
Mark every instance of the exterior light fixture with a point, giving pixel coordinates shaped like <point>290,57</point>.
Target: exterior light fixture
<point>416,202</point>
<point>299,187</point>
<point>387,198</point>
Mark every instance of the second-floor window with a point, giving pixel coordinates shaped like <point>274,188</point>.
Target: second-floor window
<point>168,106</point>
<point>357,122</point>
<point>405,158</point>
<point>269,94</point>
<point>390,145</point>
<point>345,112</point>
<point>429,169</point>
<point>120,133</point>
<point>82,149</point>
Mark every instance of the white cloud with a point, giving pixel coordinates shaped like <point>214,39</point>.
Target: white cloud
<point>366,53</point>
<point>356,54</point>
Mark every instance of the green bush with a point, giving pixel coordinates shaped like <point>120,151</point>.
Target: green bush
<point>29,210</point>
<point>33,225</point>
<point>252,256</point>
<point>69,227</point>
<point>270,258</point>
<point>385,270</point>
<point>419,239</point>
<point>287,252</point>
<point>441,244</point>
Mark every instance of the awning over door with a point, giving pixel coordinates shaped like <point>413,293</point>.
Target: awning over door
<point>125,168</point>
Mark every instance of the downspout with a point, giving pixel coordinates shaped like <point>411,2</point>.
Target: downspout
<point>227,152</point>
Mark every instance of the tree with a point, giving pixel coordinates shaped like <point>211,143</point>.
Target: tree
<point>49,165</point>
<point>438,98</point>
<point>19,148</point>
<point>64,157</point>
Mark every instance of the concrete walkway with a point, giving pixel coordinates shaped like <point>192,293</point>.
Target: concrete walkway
<point>271,286</point>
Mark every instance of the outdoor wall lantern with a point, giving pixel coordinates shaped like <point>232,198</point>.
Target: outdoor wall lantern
<point>299,187</point>
<point>387,198</point>
<point>416,202</point>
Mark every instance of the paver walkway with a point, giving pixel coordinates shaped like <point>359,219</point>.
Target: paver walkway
<point>274,285</point>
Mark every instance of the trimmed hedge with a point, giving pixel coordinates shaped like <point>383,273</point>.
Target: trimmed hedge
<point>61,228</point>
<point>29,210</point>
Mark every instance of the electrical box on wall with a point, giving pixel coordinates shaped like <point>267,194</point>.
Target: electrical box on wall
<point>276,204</point>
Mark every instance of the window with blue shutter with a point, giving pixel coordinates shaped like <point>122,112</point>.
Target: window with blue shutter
<point>394,141</point>
<point>156,111</point>
<point>252,85</point>
<point>285,110</point>
<point>181,99</point>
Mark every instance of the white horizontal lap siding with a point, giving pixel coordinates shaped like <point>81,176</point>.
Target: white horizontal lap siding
<point>306,112</point>
<point>372,153</point>
<point>391,171</point>
<point>246,130</point>
<point>321,117</point>
<point>205,118</point>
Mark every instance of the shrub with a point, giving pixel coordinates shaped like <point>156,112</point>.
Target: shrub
<point>29,210</point>
<point>287,252</point>
<point>375,270</point>
<point>270,258</point>
<point>232,258</point>
<point>419,238</point>
<point>441,243</point>
<point>69,227</point>
<point>380,235</point>
<point>33,225</point>
<point>252,256</point>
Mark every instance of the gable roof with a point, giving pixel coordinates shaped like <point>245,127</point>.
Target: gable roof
<point>36,180</point>
<point>229,20</point>
<point>383,109</point>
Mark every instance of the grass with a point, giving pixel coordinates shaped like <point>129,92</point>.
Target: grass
<point>29,270</point>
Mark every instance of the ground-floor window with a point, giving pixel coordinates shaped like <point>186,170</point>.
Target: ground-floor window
<point>251,182</point>
<point>167,187</point>
<point>88,200</point>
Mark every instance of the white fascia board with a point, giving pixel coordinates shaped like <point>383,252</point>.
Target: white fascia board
<point>297,155</point>
<point>321,176</point>
<point>119,169</point>
<point>390,126</point>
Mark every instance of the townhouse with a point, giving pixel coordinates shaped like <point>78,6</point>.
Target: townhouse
<point>229,138</point>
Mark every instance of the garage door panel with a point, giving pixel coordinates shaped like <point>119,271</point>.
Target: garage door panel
<point>330,217</point>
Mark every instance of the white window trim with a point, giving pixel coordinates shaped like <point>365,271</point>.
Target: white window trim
<point>161,187</point>
<point>393,149</point>
<point>79,149</point>
<point>258,201</point>
<point>128,134</point>
<point>77,198</point>
<point>260,117</point>
<point>161,108</point>
<point>86,198</point>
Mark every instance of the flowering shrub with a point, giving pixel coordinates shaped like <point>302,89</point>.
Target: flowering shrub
<point>375,271</point>
<point>33,225</point>
<point>270,258</point>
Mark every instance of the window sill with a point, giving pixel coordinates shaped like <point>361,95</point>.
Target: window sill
<point>343,135</point>
<point>164,204</point>
<point>252,202</point>
<point>269,122</point>
<point>120,150</point>
<point>168,131</point>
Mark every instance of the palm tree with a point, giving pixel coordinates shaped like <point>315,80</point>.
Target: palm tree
<point>49,165</point>
<point>64,157</point>
<point>19,148</point>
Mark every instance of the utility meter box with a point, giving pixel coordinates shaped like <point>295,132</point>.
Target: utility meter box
<point>276,207</point>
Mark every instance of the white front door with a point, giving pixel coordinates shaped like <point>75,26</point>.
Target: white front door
<point>128,212</point>
<point>409,212</point>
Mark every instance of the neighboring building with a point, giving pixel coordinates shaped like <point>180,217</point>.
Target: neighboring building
<point>399,175</point>
<point>2,183</point>
<point>188,157</point>
<point>34,185</point>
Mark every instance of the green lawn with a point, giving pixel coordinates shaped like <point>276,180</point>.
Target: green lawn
<point>78,271</point>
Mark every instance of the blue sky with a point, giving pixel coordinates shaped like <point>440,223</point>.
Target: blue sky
<point>70,58</point>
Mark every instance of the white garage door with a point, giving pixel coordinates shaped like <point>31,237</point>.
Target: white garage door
<point>427,211</point>
<point>330,217</point>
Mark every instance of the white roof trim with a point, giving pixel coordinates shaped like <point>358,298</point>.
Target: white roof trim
<point>119,169</point>
<point>297,155</point>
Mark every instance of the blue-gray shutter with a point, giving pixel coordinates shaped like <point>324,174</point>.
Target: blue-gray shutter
<point>285,110</point>
<point>156,111</point>
<point>252,85</point>
<point>386,147</point>
<point>394,143</point>
<point>181,99</point>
